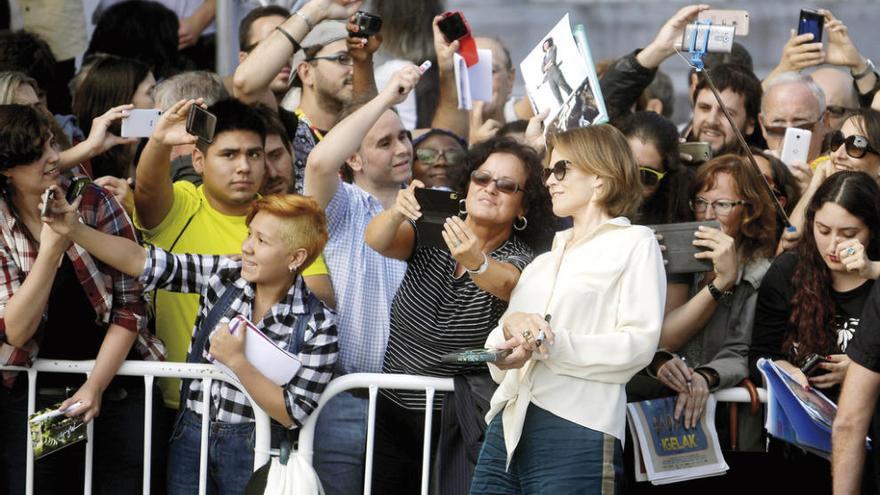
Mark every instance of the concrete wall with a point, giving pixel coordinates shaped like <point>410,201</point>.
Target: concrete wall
<point>615,28</point>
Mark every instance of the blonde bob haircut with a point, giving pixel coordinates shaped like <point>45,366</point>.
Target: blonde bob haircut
<point>305,226</point>
<point>603,151</point>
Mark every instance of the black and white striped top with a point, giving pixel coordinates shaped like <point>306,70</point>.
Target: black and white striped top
<point>434,314</point>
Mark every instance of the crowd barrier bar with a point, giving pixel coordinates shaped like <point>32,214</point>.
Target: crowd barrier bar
<point>208,373</point>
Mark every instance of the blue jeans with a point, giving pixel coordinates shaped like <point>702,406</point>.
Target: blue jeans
<point>230,456</point>
<point>340,444</point>
<point>554,456</point>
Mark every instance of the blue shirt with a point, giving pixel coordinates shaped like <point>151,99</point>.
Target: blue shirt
<point>364,281</point>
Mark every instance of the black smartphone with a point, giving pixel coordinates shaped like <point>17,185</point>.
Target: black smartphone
<point>201,123</point>
<point>368,24</point>
<point>679,241</point>
<point>453,26</point>
<point>811,21</point>
<point>436,206</point>
<point>811,365</point>
<point>76,188</point>
<point>470,356</point>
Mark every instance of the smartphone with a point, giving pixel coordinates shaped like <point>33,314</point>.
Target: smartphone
<point>201,123</point>
<point>679,241</point>
<point>453,26</point>
<point>76,188</point>
<point>48,194</point>
<point>436,206</point>
<point>811,365</point>
<point>475,356</point>
<point>795,146</point>
<point>811,21</point>
<point>699,150</point>
<point>739,19</point>
<point>140,122</point>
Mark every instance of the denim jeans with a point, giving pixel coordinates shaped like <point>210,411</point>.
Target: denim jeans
<point>340,444</point>
<point>554,456</point>
<point>230,456</point>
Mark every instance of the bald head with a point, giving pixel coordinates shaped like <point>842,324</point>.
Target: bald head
<point>840,94</point>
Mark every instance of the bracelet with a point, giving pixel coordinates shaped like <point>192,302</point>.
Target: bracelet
<point>289,37</point>
<point>869,68</point>
<point>480,269</point>
<point>305,18</point>
<point>716,292</point>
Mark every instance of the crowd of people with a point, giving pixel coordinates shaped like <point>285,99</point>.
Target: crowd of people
<point>302,215</point>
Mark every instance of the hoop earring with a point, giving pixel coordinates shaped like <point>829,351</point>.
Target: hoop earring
<point>525,223</point>
<point>462,207</point>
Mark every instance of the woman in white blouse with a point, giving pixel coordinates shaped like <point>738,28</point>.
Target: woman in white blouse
<point>582,320</point>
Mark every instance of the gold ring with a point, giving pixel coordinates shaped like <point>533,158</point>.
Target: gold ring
<point>527,335</point>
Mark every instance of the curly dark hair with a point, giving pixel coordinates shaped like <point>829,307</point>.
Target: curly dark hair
<point>670,203</point>
<point>23,135</point>
<point>538,234</point>
<point>812,303</point>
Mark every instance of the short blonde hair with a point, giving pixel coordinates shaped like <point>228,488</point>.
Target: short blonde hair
<point>9,83</point>
<point>603,151</point>
<point>306,225</point>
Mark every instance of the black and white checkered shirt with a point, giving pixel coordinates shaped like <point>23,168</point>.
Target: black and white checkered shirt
<point>209,276</point>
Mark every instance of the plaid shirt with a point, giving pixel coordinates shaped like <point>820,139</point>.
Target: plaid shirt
<point>115,297</point>
<point>210,276</point>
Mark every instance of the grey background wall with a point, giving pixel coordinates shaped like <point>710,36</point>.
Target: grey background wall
<point>615,28</point>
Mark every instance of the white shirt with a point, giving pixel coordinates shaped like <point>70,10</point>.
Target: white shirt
<point>605,295</point>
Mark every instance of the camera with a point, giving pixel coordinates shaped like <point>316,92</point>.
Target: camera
<point>704,37</point>
<point>368,24</point>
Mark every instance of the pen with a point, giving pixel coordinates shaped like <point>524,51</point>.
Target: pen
<point>55,413</point>
<point>540,338</point>
<point>690,382</point>
<point>422,69</point>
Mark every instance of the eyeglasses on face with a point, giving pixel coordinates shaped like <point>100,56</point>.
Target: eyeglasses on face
<point>780,130</point>
<point>341,58</point>
<point>430,156</point>
<point>721,207</point>
<point>558,170</point>
<point>855,146</point>
<point>504,184</point>
<point>650,177</point>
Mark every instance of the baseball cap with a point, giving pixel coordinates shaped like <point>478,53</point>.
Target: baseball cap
<point>322,35</point>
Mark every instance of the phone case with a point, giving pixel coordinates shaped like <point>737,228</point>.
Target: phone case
<point>140,123</point>
<point>437,206</point>
<point>739,19</point>
<point>796,145</point>
<point>679,254</point>
<point>475,356</point>
<point>700,151</point>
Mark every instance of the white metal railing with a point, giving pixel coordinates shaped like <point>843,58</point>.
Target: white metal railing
<point>208,373</point>
<point>149,370</point>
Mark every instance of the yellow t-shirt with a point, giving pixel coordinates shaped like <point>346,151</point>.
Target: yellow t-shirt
<point>209,232</point>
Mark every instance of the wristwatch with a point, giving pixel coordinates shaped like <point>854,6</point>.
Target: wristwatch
<point>480,269</point>
<point>716,292</point>
<point>869,68</point>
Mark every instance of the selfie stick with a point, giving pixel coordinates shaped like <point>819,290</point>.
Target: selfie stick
<point>696,60</point>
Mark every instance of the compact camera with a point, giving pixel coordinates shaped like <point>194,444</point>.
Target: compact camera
<point>704,37</point>
<point>368,24</point>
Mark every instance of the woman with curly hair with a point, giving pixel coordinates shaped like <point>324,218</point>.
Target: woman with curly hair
<point>705,343</point>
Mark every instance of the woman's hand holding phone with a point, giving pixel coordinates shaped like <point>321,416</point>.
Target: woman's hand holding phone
<point>406,205</point>
<point>836,365</point>
<point>722,251</point>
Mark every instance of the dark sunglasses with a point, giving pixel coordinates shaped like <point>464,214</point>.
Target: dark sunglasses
<point>650,177</point>
<point>856,146</point>
<point>558,170</point>
<point>430,156</point>
<point>780,130</point>
<point>504,184</point>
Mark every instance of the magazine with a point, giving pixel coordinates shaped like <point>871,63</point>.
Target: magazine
<point>795,414</point>
<point>275,363</point>
<point>51,430</point>
<point>666,451</point>
<point>560,75</point>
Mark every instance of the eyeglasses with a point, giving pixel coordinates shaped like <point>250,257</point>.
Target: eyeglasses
<point>341,58</point>
<point>504,184</point>
<point>650,177</point>
<point>837,111</point>
<point>558,170</point>
<point>780,130</point>
<point>856,146</point>
<point>721,207</point>
<point>430,156</point>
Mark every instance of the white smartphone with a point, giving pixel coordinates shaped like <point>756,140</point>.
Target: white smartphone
<point>795,146</point>
<point>140,122</point>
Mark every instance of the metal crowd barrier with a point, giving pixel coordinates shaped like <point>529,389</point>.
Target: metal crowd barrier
<point>208,373</point>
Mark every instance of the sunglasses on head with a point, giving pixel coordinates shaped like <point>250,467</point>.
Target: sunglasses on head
<point>430,156</point>
<point>780,129</point>
<point>504,184</point>
<point>855,146</point>
<point>557,169</point>
<point>650,177</point>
